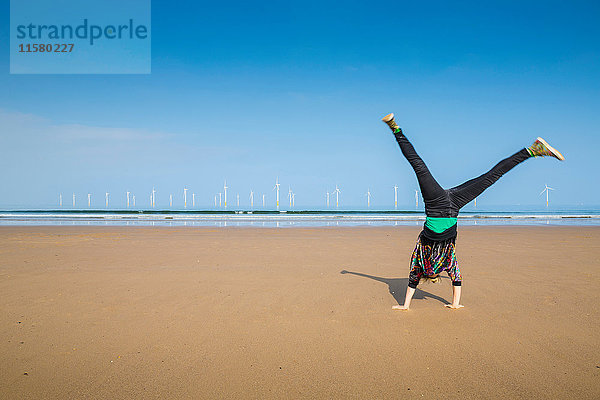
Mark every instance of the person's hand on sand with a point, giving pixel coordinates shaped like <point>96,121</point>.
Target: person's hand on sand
<point>455,307</point>
<point>398,307</point>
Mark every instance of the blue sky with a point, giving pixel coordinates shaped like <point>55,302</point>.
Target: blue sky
<point>251,91</point>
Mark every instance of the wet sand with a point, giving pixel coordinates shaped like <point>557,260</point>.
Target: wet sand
<point>126,313</point>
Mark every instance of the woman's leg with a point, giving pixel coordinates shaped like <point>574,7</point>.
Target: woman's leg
<point>463,194</point>
<point>430,189</point>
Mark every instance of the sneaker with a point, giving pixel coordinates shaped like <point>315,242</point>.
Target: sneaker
<point>540,148</point>
<point>389,120</point>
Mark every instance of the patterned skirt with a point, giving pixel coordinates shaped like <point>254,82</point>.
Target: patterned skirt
<point>430,258</point>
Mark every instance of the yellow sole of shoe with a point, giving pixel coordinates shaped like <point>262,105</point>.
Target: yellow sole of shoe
<point>388,117</point>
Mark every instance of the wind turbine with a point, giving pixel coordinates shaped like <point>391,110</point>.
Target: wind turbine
<point>193,200</point>
<point>277,187</point>
<point>133,199</point>
<point>475,202</point>
<point>220,198</point>
<point>337,196</point>
<point>89,200</point>
<point>547,189</point>
<point>395,197</point>
<point>251,199</point>
<point>185,197</point>
<point>170,200</point>
<point>416,198</point>
<point>60,200</point>
<point>368,198</point>
<point>73,199</point>
<point>263,200</point>
<point>225,191</point>
<point>290,195</point>
<point>238,200</point>
<point>128,199</point>
<point>293,199</point>
<point>327,199</point>
<point>153,202</point>
<point>106,197</point>
<point>215,200</point>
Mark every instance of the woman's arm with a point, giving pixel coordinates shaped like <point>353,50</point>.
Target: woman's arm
<point>409,295</point>
<point>456,290</point>
<point>413,280</point>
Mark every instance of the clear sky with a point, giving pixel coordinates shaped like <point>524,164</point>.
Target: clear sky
<point>251,91</point>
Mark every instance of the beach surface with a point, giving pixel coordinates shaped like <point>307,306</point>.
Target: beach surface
<point>157,313</point>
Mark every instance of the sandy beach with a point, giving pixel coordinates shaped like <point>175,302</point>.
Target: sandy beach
<point>126,313</point>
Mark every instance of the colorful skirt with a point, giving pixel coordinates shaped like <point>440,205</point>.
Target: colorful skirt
<point>430,258</point>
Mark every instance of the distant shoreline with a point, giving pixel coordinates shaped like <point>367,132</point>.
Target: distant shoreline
<point>306,218</point>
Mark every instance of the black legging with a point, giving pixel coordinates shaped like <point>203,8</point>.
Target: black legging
<point>440,202</point>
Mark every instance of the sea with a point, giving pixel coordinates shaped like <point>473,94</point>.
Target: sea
<point>575,216</point>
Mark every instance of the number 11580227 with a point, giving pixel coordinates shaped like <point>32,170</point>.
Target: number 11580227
<point>46,48</point>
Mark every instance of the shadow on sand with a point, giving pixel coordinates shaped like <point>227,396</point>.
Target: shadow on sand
<point>397,288</point>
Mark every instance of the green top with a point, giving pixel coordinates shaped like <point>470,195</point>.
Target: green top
<point>439,224</point>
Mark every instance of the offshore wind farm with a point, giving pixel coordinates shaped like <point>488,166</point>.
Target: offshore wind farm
<point>220,200</point>
<point>177,211</point>
<point>332,200</point>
